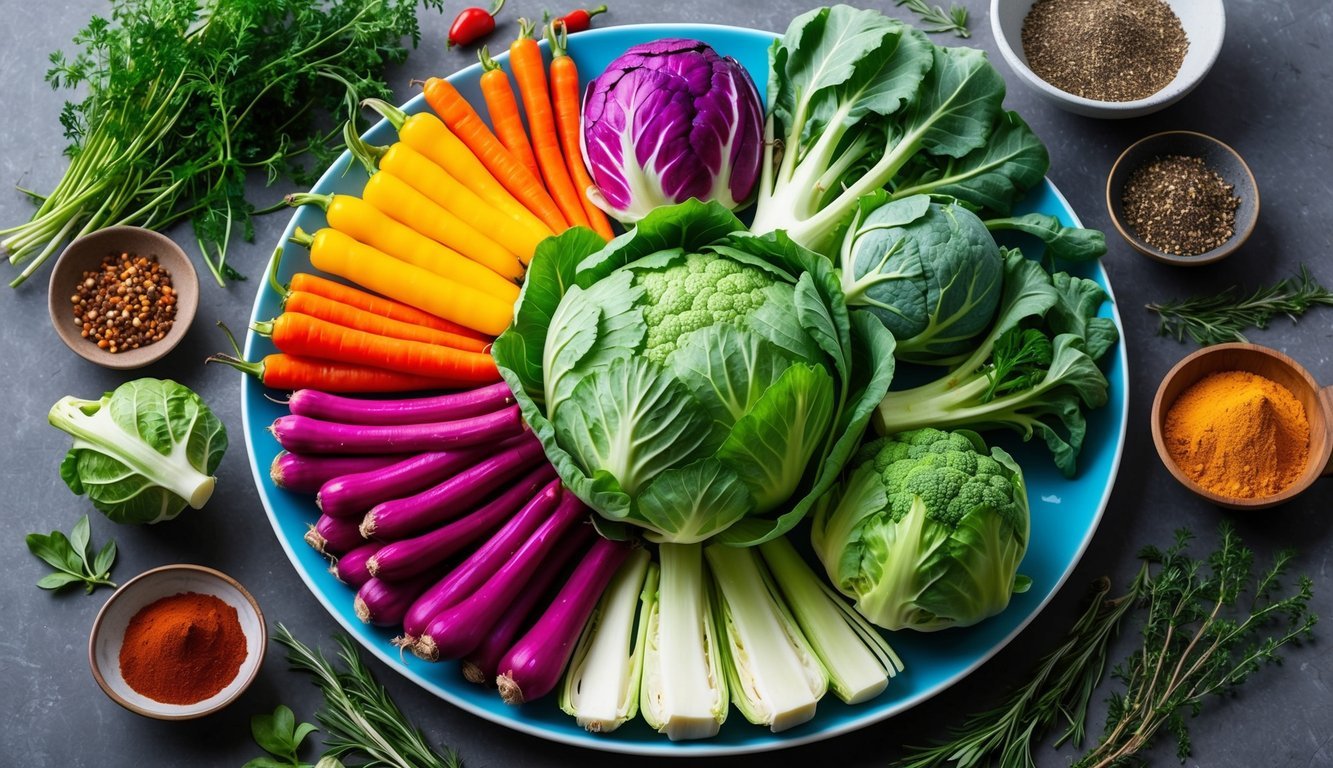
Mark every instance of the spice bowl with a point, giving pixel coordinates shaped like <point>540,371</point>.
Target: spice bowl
<point>1204,24</point>
<point>108,638</point>
<point>1215,154</point>
<point>1274,366</point>
<point>85,254</point>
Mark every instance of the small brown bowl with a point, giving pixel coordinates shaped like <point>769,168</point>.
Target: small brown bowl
<point>1218,156</point>
<point>85,254</point>
<point>108,635</point>
<point>1271,364</point>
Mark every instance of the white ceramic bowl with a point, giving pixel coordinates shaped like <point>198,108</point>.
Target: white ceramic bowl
<point>1204,22</point>
<point>108,635</point>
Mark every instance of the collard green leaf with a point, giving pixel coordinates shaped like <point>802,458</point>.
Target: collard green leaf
<point>694,502</point>
<point>958,103</point>
<point>1066,243</point>
<point>1076,313</point>
<point>988,178</point>
<point>633,419</point>
<point>771,445</point>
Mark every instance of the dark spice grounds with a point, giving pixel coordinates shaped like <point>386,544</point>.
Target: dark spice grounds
<point>1179,205</point>
<point>1106,50</point>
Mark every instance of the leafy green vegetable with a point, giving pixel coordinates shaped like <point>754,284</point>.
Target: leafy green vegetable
<point>279,735</point>
<point>72,558</point>
<point>1064,243</point>
<point>690,378</point>
<point>1225,316</point>
<point>359,718</point>
<point>1202,636</point>
<point>860,102</point>
<point>954,20</point>
<point>1032,382</point>
<point>143,452</point>
<point>930,272</point>
<point>928,531</point>
<point>183,99</point>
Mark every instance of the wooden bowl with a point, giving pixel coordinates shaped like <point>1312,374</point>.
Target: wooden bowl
<point>85,254</point>
<point>1271,364</point>
<point>108,635</point>
<point>1218,156</point>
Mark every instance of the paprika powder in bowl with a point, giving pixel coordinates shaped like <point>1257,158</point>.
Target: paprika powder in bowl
<point>1243,426</point>
<point>177,642</point>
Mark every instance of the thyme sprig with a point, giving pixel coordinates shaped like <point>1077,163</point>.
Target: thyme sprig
<point>1224,316</point>
<point>1200,638</point>
<point>358,717</point>
<point>937,19</point>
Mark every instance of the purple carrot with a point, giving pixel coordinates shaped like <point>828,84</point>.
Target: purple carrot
<point>480,665</point>
<point>469,575</point>
<point>302,434</point>
<point>351,569</point>
<point>406,558</point>
<point>334,536</point>
<point>531,669</point>
<point>412,410</point>
<point>353,495</point>
<point>401,518</point>
<point>383,603</point>
<point>304,473</point>
<point>458,630</point>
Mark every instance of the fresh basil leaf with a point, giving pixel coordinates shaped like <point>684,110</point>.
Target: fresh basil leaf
<point>58,579</point>
<point>78,540</point>
<point>271,734</point>
<point>53,549</point>
<point>266,762</point>
<point>299,735</point>
<point>105,559</point>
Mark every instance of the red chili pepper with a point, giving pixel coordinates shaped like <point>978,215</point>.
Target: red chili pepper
<point>579,19</point>
<point>472,24</point>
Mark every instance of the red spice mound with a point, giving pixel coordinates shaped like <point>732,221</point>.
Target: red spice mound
<point>183,648</point>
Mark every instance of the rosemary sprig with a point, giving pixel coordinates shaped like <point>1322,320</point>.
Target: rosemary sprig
<point>359,718</point>
<point>1196,641</point>
<point>1225,316</point>
<point>939,20</point>
<point>1060,688</point>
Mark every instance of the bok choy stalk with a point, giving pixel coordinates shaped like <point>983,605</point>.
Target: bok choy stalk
<point>684,689</point>
<point>856,658</point>
<point>774,677</point>
<point>601,688</point>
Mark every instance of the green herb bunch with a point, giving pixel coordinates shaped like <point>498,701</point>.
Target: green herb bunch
<point>71,557</point>
<point>1208,625</point>
<point>1225,316</point>
<point>184,99</point>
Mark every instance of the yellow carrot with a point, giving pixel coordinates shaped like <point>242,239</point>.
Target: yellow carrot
<point>363,222</point>
<point>395,199</point>
<point>338,254</point>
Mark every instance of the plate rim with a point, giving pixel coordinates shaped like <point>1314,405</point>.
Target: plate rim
<point>666,748</point>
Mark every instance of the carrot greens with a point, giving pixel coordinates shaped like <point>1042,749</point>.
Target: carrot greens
<point>183,100</point>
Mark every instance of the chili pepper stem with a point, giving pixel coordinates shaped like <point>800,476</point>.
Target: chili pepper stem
<point>394,115</point>
<point>302,238</point>
<point>272,276</point>
<point>488,64</point>
<point>368,155</point>
<point>262,327</point>
<point>297,199</point>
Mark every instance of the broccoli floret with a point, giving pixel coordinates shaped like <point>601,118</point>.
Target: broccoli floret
<point>944,470</point>
<point>700,291</point>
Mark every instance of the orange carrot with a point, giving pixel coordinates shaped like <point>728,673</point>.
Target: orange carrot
<point>503,109</point>
<point>530,72</point>
<point>306,336</point>
<point>349,316</point>
<point>282,371</point>
<point>565,100</point>
<point>467,125</point>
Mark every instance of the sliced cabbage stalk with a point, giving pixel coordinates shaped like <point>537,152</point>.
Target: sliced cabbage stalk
<point>601,687</point>
<point>684,690</point>
<point>774,675</point>
<point>855,656</point>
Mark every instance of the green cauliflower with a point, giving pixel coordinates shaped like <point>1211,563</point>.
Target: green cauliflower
<point>928,532</point>
<point>692,379</point>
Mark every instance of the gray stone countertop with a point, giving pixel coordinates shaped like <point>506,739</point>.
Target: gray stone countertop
<point>1268,96</point>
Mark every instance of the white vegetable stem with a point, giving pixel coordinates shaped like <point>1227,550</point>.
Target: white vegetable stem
<point>684,693</point>
<point>99,432</point>
<point>601,688</point>
<point>857,659</point>
<point>773,674</point>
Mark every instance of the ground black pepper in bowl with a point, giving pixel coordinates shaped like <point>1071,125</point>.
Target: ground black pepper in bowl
<point>1180,205</point>
<point>127,303</point>
<point>1105,50</point>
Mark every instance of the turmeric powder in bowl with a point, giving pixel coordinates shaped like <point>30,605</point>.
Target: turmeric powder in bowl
<point>1238,434</point>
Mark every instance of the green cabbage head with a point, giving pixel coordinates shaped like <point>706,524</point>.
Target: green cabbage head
<point>928,531</point>
<point>690,378</point>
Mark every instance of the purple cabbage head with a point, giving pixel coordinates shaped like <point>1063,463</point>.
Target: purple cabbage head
<point>670,120</point>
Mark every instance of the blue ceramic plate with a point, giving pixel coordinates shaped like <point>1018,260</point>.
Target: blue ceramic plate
<point>1064,512</point>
